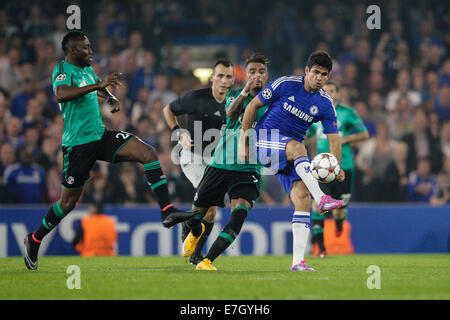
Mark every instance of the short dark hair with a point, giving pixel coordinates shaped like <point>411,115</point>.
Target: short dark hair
<point>332,83</point>
<point>320,58</point>
<point>98,205</point>
<point>258,58</point>
<point>224,62</point>
<point>69,37</point>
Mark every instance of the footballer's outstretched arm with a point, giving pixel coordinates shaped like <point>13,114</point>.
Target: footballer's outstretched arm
<point>247,122</point>
<point>183,136</point>
<point>66,93</point>
<point>355,137</point>
<point>235,107</point>
<point>170,118</point>
<point>250,113</point>
<point>334,143</point>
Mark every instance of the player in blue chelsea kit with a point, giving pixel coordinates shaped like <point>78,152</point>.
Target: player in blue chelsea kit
<point>295,103</point>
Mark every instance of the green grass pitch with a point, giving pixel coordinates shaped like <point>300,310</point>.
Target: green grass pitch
<point>424,276</point>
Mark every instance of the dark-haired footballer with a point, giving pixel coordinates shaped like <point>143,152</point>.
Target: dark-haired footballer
<point>296,102</point>
<point>224,175</point>
<point>85,140</point>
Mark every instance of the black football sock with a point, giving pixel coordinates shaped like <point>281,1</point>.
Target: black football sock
<point>229,233</point>
<point>158,183</point>
<point>195,224</point>
<point>339,223</point>
<point>318,233</point>
<point>204,238</point>
<point>50,221</point>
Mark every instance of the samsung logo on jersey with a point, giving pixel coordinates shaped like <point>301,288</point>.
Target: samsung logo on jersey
<point>297,112</point>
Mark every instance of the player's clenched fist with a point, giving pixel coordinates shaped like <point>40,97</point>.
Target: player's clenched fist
<point>111,80</point>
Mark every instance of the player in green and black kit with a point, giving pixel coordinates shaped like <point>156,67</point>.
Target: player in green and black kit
<point>85,140</point>
<point>351,129</point>
<point>225,175</point>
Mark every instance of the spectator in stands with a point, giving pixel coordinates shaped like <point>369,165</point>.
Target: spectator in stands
<point>141,107</point>
<point>444,73</point>
<point>161,91</point>
<point>97,234</point>
<point>7,156</point>
<point>2,131</point>
<point>145,76</point>
<point>130,69</point>
<point>56,36</point>
<point>445,138</point>
<point>130,188</point>
<point>19,102</point>
<point>362,51</point>
<point>396,181</point>
<point>434,57</point>
<point>402,88</point>
<point>25,181</point>
<point>445,172</point>
<point>31,140</point>
<point>47,109</point>
<point>56,128</point>
<point>121,93</point>
<point>134,50</point>
<point>376,109</point>
<point>443,194</point>
<point>377,83</point>
<point>49,149</point>
<point>361,109</point>
<point>400,121</point>
<point>183,78</point>
<point>431,87</point>
<point>146,131</point>
<point>149,25</point>
<point>103,55</point>
<point>13,132</point>
<point>98,190</point>
<point>5,101</point>
<point>10,72</point>
<point>373,158</point>
<point>117,26</point>
<point>442,103</point>
<point>418,81</point>
<point>34,116</point>
<point>421,144</point>
<point>54,173</point>
<point>7,29</point>
<point>36,24</point>
<point>422,185</point>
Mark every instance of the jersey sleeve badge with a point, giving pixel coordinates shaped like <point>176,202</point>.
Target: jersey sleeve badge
<point>267,93</point>
<point>61,77</point>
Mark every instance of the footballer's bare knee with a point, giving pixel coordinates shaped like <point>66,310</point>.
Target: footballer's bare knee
<point>148,154</point>
<point>295,149</point>
<point>210,215</point>
<point>300,196</point>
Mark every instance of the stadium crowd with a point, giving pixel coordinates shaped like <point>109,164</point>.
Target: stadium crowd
<point>397,78</point>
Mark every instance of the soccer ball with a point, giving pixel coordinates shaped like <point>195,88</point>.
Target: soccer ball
<point>325,167</point>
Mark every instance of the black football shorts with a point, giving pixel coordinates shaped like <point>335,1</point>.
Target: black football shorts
<point>216,183</point>
<point>79,160</point>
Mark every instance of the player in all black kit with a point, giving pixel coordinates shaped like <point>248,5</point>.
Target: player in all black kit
<point>206,115</point>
